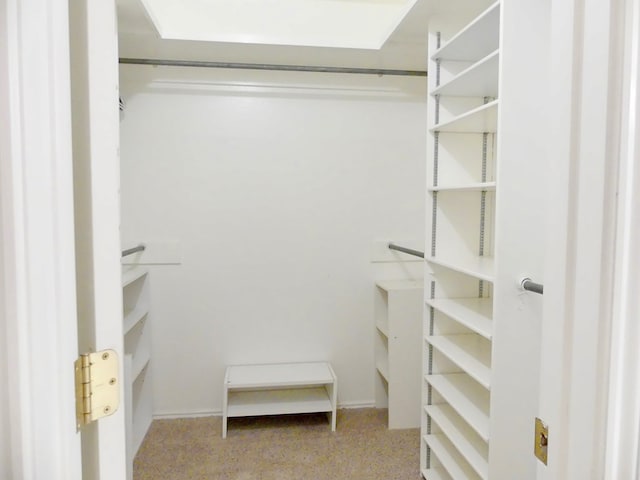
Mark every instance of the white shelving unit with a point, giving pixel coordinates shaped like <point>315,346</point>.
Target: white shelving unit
<point>278,389</point>
<point>487,161</point>
<point>398,350</point>
<point>458,327</point>
<point>137,349</point>
<point>478,120</point>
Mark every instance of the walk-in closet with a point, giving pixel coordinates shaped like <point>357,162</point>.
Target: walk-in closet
<point>266,192</point>
<point>331,239</point>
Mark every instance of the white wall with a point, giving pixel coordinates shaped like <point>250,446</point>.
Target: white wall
<point>275,185</point>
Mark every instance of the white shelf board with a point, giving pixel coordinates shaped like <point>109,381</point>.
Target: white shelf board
<point>470,187</point>
<point>466,397</point>
<point>465,351</point>
<point>391,285</point>
<point>130,275</point>
<point>476,40</point>
<point>132,317</point>
<point>471,447</point>
<point>139,364</point>
<point>450,458</point>
<point>473,313</point>
<point>383,329</point>
<point>383,368</point>
<point>278,402</point>
<point>479,80</point>
<point>478,267</point>
<point>435,474</point>
<point>142,416</point>
<point>483,119</point>
<point>279,375</point>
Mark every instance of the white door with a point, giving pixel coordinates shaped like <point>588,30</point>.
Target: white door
<point>41,334</point>
<point>592,148</point>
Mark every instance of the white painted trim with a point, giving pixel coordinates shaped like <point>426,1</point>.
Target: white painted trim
<point>623,429</point>
<point>37,245</point>
<point>586,100</point>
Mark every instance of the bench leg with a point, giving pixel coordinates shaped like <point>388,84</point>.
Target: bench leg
<point>225,404</point>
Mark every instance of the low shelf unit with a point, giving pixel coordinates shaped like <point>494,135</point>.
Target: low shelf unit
<point>279,389</point>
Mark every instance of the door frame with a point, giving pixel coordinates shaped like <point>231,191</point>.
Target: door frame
<point>37,254</point>
<point>623,415</point>
<point>587,281</point>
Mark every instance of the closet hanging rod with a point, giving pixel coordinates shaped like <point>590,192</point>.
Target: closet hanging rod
<point>531,286</point>
<point>268,66</point>
<point>409,251</point>
<point>132,250</point>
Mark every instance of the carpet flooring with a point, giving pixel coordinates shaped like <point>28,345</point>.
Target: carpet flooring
<point>292,447</point>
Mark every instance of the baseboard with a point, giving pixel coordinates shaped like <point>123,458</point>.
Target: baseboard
<point>196,414</point>
<point>350,405</point>
<point>218,413</point>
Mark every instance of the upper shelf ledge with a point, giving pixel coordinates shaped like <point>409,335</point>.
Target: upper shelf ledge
<point>477,40</point>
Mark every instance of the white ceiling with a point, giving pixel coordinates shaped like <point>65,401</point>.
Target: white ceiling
<point>312,23</point>
<point>405,47</point>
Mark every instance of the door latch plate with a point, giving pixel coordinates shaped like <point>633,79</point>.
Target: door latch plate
<point>541,441</point>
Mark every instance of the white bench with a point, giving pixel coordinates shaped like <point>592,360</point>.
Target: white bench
<point>278,389</point>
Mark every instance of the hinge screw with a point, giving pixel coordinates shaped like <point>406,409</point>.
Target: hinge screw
<point>107,409</point>
<point>112,381</point>
<point>105,355</point>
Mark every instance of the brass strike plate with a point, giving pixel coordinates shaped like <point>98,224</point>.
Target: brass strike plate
<point>97,386</point>
<point>541,441</point>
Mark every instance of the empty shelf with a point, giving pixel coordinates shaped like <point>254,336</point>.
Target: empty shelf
<point>473,313</point>
<point>383,369</point>
<point>471,447</point>
<point>383,329</point>
<point>130,275</point>
<point>435,474</point>
<point>278,402</point>
<point>471,187</point>
<point>451,460</point>
<point>479,80</point>
<point>476,40</point>
<point>483,119</point>
<point>478,267</point>
<point>468,352</point>
<point>390,285</point>
<point>279,375</point>
<point>466,397</point>
<point>134,316</point>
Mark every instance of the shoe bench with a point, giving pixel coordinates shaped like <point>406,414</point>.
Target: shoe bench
<point>279,389</point>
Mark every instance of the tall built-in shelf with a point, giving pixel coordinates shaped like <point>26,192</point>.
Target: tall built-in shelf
<point>398,349</point>
<point>472,313</point>
<point>137,350</point>
<point>478,80</point>
<point>474,449</point>
<point>482,119</point>
<point>464,104</point>
<point>469,352</point>
<point>450,457</point>
<point>478,39</point>
<point>480,267</point>
<point>469,187</point>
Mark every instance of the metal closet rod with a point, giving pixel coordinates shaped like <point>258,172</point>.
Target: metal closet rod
<point>131,251</point>
<point>415,253</point>
<point>270,66</point>
<point>531,286</point>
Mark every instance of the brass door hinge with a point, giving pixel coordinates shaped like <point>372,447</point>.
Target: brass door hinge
<point>97,386</point>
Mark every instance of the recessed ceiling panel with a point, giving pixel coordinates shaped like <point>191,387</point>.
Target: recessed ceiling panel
<point>319,23</point>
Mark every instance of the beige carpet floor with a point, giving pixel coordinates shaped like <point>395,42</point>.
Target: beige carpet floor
<point>280,448</point>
